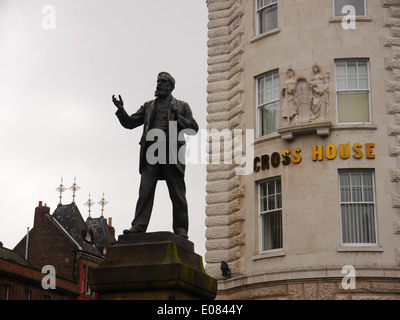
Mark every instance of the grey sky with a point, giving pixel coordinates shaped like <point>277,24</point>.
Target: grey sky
<point>56,114</point>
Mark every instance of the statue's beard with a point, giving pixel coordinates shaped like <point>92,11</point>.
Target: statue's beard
<point>161,92</point>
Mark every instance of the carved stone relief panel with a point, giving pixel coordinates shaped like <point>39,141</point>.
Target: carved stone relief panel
<point>305,104</point>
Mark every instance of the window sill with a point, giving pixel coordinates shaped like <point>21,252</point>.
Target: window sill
<point>360,249</point>
<point>289,132</point>
<point>271,254</point>
<point>354,126</point>
<point>267,137</point>
<point>358,19</point>
<point>265,35</point>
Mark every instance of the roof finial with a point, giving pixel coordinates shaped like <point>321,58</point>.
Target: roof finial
<point>74,188</point>
<point>89,203</point>
<point>103,202</point>
<point>61,189</point>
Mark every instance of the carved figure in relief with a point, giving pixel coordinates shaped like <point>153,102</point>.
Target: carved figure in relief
<point>320,90</point>
<point>289,109</point>
<point>305,101</point>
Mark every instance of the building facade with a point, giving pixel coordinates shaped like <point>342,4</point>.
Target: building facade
<point>19,280</point>
<point>65,241</point>
<point>318,84</point>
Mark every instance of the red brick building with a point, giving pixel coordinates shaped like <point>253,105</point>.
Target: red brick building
<point>19,280</point>
<point>68,243</point>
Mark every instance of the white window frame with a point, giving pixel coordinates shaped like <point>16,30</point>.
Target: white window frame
<point>262,213</point>
<point>271,102</point>
<point>342,15</point>
<point>358,244</point>
<point>354,90</point>
<point>258,12</point>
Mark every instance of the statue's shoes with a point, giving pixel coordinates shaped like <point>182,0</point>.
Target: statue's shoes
<point>131,230</point>
<point>182,233</point>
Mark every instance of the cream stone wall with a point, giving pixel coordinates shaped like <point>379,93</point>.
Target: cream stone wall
<point>310,264</point>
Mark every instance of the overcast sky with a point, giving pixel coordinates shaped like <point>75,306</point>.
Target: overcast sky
<point>56,114</point>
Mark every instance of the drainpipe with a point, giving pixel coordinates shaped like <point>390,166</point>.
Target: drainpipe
<point>27,243</point>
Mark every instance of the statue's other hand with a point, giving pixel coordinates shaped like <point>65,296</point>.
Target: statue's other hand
<point>118,103</point>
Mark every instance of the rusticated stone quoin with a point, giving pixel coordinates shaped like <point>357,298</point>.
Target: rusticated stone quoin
<point>393,64</point>
<point>224,238</point>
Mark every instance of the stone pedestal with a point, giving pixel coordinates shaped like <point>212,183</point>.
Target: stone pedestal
<point>152,266</point>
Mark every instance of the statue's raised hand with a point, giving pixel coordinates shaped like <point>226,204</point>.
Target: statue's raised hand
<point>118,103</point>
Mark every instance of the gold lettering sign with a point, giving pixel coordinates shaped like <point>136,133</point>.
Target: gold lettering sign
<point>318,153</point>
<point>330,152</point>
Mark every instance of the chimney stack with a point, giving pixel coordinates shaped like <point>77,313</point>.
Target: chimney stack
<point>40,211</point>
<point>110,226</point>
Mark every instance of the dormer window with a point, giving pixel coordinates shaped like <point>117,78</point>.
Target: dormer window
<point>89,236</point>
<point>105,250</point>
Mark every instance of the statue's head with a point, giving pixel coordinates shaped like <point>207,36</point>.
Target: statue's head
<point>290,73</point>
<point>165,84</point>
<point>316,69</point>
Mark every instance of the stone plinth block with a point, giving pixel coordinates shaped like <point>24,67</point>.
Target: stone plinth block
<point>154,266</point>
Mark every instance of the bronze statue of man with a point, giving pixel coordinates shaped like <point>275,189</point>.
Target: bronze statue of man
<point>162,114</point>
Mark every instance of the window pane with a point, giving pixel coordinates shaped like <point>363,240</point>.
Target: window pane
<point>271,215</point>
<point>353,106</point>
<point>358,216</point>
<point>345,194</point>
<point>351,68</point>
<point>362,68</point>
<point>358,224</point>
<point>279,201</point>
<point>268,81</point>
<point>271,187</point>
<point>269,117</point>
<point>263,204</point>
<point>363,82</point>
<point>271,203</point>
<point>352,75</point>
<point>357,4</point>
<point>268,94</point>
<point>262,190</point>
<point>261,99</point>
<point>268,103</point>
<point>367,179</point>
<point>272,230</point>
<point>368,194</point>
<point>278,186</point>
<point>275,88</point>
<point>352,82</point>
<point>268,18</point>
<point>341,68</point>
<point>341,83</point>
<point>344,180</point>
<point>356,195</point>
<point>355,179</point>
